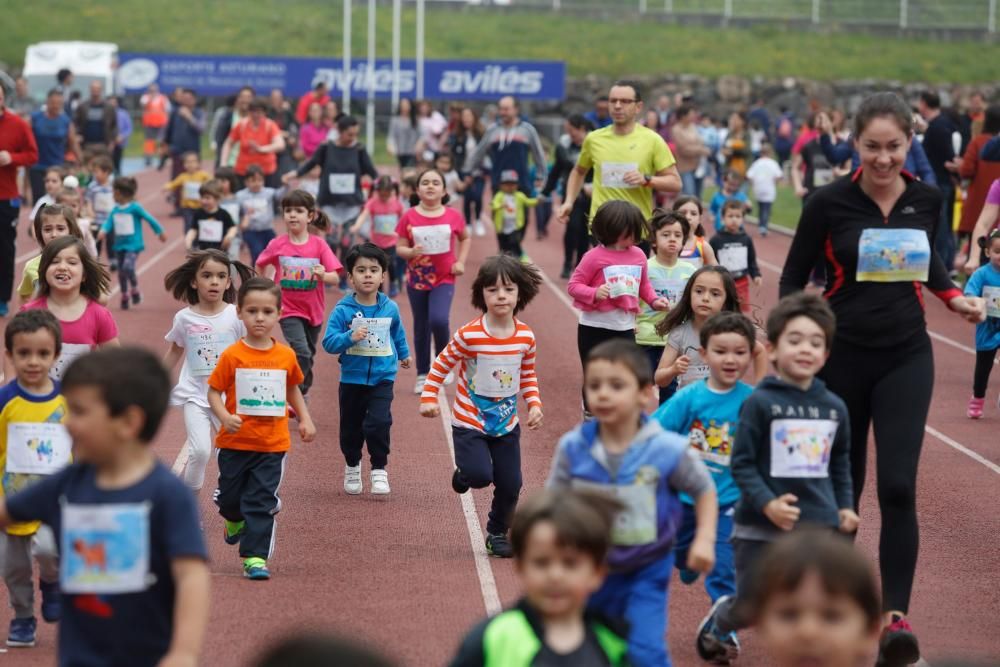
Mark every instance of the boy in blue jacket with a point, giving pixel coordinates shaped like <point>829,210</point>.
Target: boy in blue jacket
<point>367,333</point>
<point>627,455</point>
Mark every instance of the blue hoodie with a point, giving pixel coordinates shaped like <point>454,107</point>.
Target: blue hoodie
<point>374,359</point>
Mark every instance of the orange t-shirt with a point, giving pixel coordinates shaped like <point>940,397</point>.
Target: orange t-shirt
<point>263,134</point>
<point>256,384</point>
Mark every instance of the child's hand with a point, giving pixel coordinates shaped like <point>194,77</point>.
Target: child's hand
<point>288,177</point>
<point>163,237</point>
<point>660,303</point>
<point>849,521</point>
<point>405,363</point>
<point>757,281</point>
<point>101,235</point>
<point>457,269</point>
<point>319,273</point>
<point>701,555</point>
<point>245,225</point>
<point>603,292</point>
<point>429,410</point>
<point>782,511</point>
<point>416,251</point>
<point>232,423</point>
<point>307,430</point>
<point>972,308</point>
<point>359,334</point>
<point>534,417</point>
<point>681,364</point>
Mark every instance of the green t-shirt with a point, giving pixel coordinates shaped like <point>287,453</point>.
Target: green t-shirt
<point>668,282</point>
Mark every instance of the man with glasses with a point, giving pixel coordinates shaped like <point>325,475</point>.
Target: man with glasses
<point>508,144</point>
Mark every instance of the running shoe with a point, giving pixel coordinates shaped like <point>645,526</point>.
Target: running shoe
<point>393,290</point>
<point>498,546</point>
<point>975,409</point>
<point>898,646</point>
<point>380,483</point>
<point>22,632</point>
<point>688,576</point>
<point>233,531</point>
<point>479,228</point>
<point>418,388</point>
<point>457,485</point>
<point>125,302</point>
<point>714,646</point>
<point>256,568</point>
<point>352,480</point>
<point>136,298</point>
<point>51,601</point>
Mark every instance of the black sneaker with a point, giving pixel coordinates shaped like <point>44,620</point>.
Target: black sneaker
<point>456,482</point>
<point>898,646</point>
<point>498,546</point>
<point>51,602</point>
<point>136,298</point>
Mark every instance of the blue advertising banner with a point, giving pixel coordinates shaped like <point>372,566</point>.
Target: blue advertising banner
<point>443,79</point>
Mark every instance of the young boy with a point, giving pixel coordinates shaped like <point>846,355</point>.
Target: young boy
<point>186,188</point>
<point>791,459</point>
<point>31,411</point>
<point>734,249</point>
<point>260,379</point>
<point>707,412</point>
<point>764,175</point>
<point>128,528</point>
<point>560,541</point>
<point>211,227</point>
<point>366,331</point>
<point>257,206</point>
<point>510,213</point>
<point>625,454</point>
<point>99,196</point>
<point>125,223</point>
<point>731,182</point>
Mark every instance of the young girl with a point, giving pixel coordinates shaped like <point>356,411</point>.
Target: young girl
<point>710,290</point>
<point>611,278</point>
<point>200,333</point>
<point>229,203</point>
<point>51,222</point>
<point>495,355</point>
<point>70,281</point>
<point>427,239</point>
<point>383,211</point>
<point>71,198</point>
<point>303,263</point>
<point>668,275</point>
<point>696,250</point>
<point>53,186</point>
<point>985,283</point>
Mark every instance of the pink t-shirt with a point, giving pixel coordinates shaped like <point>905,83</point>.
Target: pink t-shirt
<point>437,236</point>
<point>95,327</point>
<point>993,196</point>
<point>385,217</point>
<point>301,294</point>
<point>623,271</point>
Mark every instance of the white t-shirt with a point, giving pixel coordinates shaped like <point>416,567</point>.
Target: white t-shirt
<point>203,337</point>
<point>764,174</point>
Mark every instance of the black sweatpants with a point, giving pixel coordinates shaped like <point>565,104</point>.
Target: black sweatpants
<point>301,337</point>
<point>984,366</point>
<point>510,244</point>
<point>489,459</point>
<point>587,338</point>
<point>8,247</point>
<point>576,241</point>
<point>365,416</point>
<point>890,389</point>
<point>248,491</point>
<point>746,555</point>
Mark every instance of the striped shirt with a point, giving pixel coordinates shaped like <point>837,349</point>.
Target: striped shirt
<point>491,373</point>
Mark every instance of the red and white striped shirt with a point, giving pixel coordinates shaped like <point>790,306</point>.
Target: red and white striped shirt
<point>491,373</point>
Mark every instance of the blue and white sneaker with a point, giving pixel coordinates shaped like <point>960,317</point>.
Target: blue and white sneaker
<point>22,632</point>
<point>256,568</point>
<point>714,646</point>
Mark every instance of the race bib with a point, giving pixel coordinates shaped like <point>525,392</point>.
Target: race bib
<point>992,297</point>
<point>801,447</point>
<point>385,224</point>
<point>623,280</point>
<point>256,207</point>
<point>210,230</point>
<point>191,190</point>
<point>893,255</point>
<point>202,351</point>
<point>714,443</point>
<point>635,525</point>
<point>124,224</point>
<point>435,239</point>
<point>261,392</point>
<point>37,448</point>
<point>105,548</point>
<point>497,375</point>
<point>734,258</point>
<point>342,184</point>
<point>297,272</point>
<point>613,174</point>
<point>671,289</point>
<point>70,351</point>
<point>378,342</point>
<point>822,177</point>
<point>103,202</point>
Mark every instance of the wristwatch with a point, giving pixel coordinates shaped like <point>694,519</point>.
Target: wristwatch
<point>648,179</point>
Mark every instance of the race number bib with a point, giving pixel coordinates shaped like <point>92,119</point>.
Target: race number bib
<point>210,230</point>
<point>823,177</point>
<point>992,297</point>
<point>105,548</point>
<point>261,392</point>
<point>70,352</point>
<point>378,342</point>
<point>435,239</point>
<point>124,224</point>
<point>670,289</point>
<point>202,351</point>
<point>635,525</point>
<point>801,447</point>
<point>623,280</point>
<point>103,202</point>
<point>734,258</point>
<point>497,375</point>
<point>191,190</point>
<point>342,184</point>
<point>613,174</point>
<point>893,255</point>
<point>385,223</point>
<point>297,272</point>
<point>256,207</point>
<point>37,448</point>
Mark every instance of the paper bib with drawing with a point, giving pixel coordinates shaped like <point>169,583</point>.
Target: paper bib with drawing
<point>124,224</point>
<point>342,184</point>
<point>435,239</point>
<point>191,190</point>
<point>378,342</point>
<point>992,297</point>
<point>385,223</point>
<point>202,350</point>
<point>714,443</point>
<point>105,548</point>
<point>801,447</point>
<point>297,272</point>
<point>636,524</point>
<point>613,174</point>
<point>735,258</point>
<point>210,230</point>
<point>255,207</point>
<point>497,375</point>
<point>671,289</point>
<point>893,255</point>
<point>37,448</point>
<point>69,352</point>
<point>261,392</point>
<point>623,279</point>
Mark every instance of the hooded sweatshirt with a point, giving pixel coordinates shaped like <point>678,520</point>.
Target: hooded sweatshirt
<point>374,359</point>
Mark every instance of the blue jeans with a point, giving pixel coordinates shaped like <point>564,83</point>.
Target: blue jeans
<point>689,184</point>
<point>640,597</point>
<point>430,318</point>
<point>722,579</point>
<point>764,214</point>
<point>256,241</point>
<point>126,271</point>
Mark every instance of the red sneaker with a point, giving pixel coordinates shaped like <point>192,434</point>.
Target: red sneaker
<point>898,646</point>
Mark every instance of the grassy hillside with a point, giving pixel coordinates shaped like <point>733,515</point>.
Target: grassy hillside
<point>313,27</point>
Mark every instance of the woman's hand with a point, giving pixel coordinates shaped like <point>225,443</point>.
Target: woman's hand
<point>971,308</point>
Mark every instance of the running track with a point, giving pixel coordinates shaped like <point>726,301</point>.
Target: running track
<point>408,573</point>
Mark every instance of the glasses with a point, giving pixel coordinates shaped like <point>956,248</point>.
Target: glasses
<point>616,101</point>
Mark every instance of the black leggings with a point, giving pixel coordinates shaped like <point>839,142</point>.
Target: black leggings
<point>890,389</point>
<point>587,338</point>
<point>576,241</point>
<point>984,364</point>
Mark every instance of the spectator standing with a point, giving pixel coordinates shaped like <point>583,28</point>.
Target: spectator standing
<point>317,95</point>
<point>155,115</point>
<point>124,121</point>
<point>96,121</point>
<point>404,133</point>
<point>17,149</point>
<point>508,144</point>
<point>689,149</point>
<point>601,117</point>
<point>940,148</point>
<point>55,136</point>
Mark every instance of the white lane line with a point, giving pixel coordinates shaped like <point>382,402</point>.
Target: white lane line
<point>962,448</point>
<point>487,584</point>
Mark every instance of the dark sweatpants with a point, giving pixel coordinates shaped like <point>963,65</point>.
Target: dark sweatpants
<point>248,491</point>
<point>486,459</point>
<point>588,337</point>
<point>301,337</point>
<point>365,416</point>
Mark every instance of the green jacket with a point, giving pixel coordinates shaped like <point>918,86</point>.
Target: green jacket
<point>522,202</point>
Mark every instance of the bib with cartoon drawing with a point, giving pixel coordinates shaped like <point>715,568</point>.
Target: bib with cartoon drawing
<point>991,295</point>
<point>623,279</point>
<point>801,447</point>
<point>636,524</point>
<point>105,548</point>
<point>713,442</point>
<point>893,255</point>
<point>69,353</point>
<point>435,239</point>
<point>124,224</point>
<point>202,348</point>
<point>261,392</point>
<point>37,448</point>
<point>297,272</point>
<point>613,174</point>
<point>497,375</point>
<point>378,342</point>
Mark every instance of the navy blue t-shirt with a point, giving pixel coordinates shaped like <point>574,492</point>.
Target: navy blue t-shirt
<point>99,547</point>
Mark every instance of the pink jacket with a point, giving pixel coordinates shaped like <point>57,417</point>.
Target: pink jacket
<point>624,271</point>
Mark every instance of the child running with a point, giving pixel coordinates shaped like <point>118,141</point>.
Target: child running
<point>53,183</point>
<point>627,455</point>
<point>735,250</point>
<point>732,182</point>
<point>697,250</point>
<point>366,331</point>
<point>99,195</point>
<point>31,408</point>
<point>495,356</point>
<point>791,459</point>
<point>764,174</point>
<point>119,494</point>
<point>560,541</point>
<point>200,333</point>
<point>302,264</point>
<point>211,227</point>
<point>382,213</point>
<point>186,188</point>
<point>125,222</point>
<point>52,221</point>
<point>71,199</point>
<point>260,379</point>
<point>256,212</point>
<point>427,239</point>
<point>510,213</point>
<point>985,283</point>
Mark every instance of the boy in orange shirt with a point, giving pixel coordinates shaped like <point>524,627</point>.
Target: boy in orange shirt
<point>260,378</point>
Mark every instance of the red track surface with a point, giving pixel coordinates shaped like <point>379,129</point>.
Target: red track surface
<point>400,572</point>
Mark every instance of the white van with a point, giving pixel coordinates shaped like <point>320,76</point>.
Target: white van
<point>87,61</point>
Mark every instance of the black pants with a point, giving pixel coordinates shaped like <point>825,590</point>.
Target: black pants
<point>654,352</point>
<point>8,246</point>
<point>890,389</point>
<point>587,338</point>
<point>365,416</point>
<point>248,491</point>
<point>746,555</point>
<point>301,337</point>
<point>472,200</point>
<point>576,240</point>
<point>984,365</point>
<point>36,177</point>
<point>485,459</point>
<point>510,244</point>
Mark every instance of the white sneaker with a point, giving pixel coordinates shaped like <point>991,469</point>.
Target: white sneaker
<point>352,480</point>
<point>418,388</point>
<point>479,228</point>
<point>380,482</point>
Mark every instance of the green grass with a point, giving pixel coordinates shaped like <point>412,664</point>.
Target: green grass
<point>612,47</point>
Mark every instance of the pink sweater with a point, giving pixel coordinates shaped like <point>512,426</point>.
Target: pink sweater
<point>624,271</point>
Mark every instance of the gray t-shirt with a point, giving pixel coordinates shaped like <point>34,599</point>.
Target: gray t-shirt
<point>258,207</point>
<point>684,339</point>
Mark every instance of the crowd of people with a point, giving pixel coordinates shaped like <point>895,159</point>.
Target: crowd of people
<point>711,483</point>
